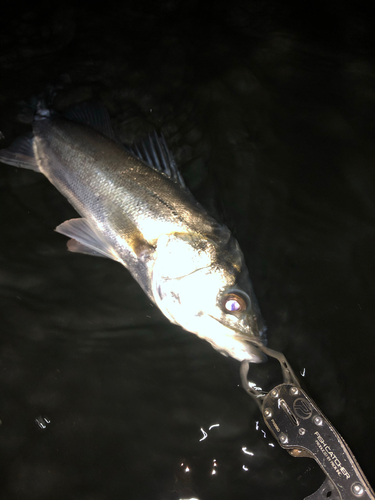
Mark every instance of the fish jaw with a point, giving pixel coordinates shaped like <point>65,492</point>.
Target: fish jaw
<point>227,341</point>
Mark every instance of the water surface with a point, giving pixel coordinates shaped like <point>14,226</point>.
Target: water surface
<point>269,113</point>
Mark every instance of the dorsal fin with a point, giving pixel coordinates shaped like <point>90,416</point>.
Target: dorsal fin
<point>93,114</point>
<point>154,151</point>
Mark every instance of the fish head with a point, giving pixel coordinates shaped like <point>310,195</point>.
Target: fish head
<point>205,288</point>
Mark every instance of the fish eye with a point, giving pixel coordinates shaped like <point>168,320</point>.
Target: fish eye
<point>235,302</point>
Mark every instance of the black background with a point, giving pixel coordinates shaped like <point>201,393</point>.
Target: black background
<point>269,109</point>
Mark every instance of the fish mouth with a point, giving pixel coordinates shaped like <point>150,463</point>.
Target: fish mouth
<point>240,334</point>
<point>254,345</point>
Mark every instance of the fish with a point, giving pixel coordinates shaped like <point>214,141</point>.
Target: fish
<point>135,208</point>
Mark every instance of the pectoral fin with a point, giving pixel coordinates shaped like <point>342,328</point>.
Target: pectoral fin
<point>88,241</point>
<point>84,239</point>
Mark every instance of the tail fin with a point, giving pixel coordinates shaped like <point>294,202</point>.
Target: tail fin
<point>20,153</point>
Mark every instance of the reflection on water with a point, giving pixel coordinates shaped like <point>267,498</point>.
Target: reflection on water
<point>101,397</point>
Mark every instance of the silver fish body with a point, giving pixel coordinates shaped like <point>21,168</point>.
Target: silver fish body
<point>185,261</point>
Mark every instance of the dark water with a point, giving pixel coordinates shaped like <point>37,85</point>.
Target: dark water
<point>269,110</point>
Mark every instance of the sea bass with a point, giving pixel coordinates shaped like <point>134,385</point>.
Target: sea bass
<point>136,209</point>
